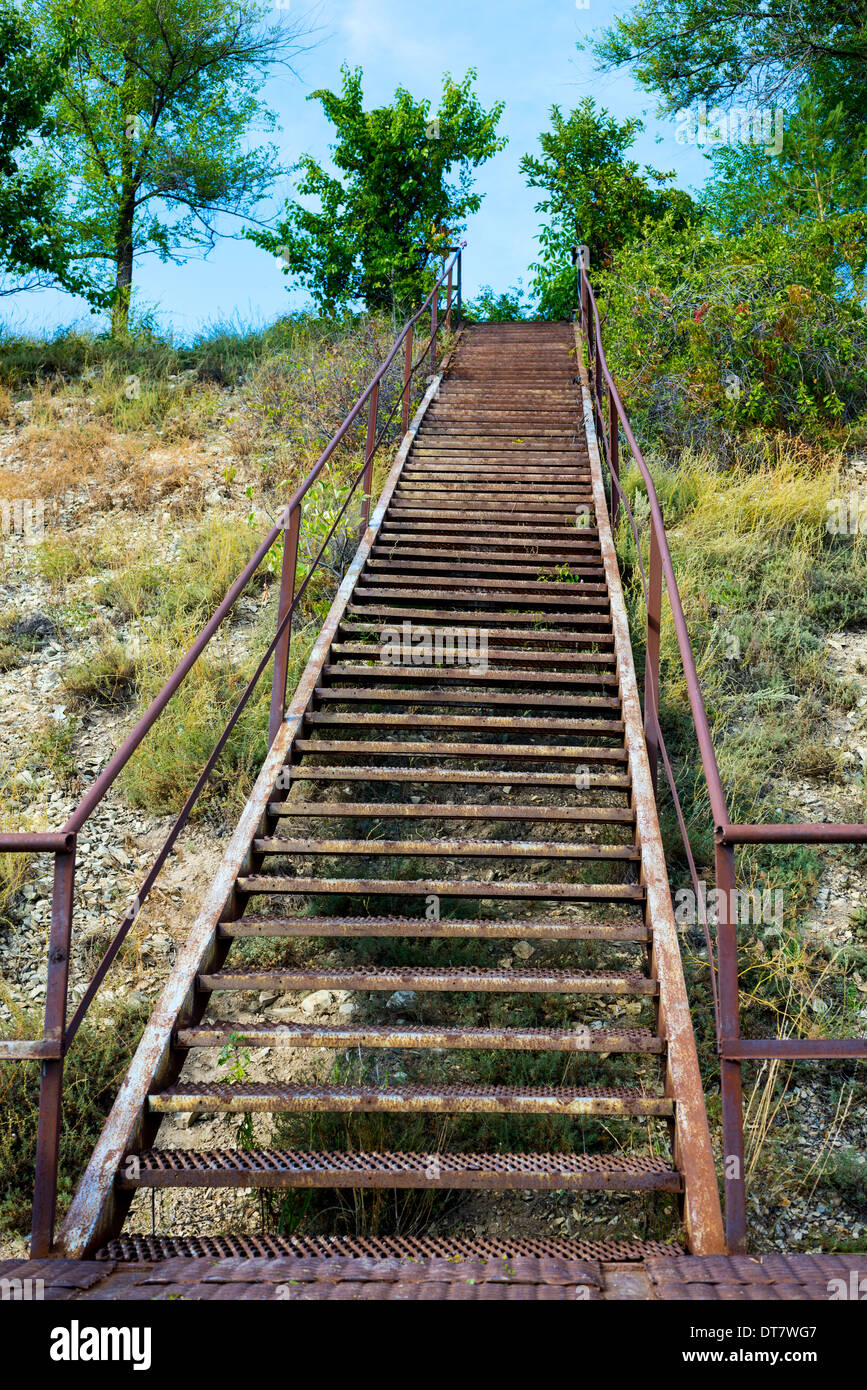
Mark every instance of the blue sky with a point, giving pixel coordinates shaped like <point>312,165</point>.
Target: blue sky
<point>525,54</point>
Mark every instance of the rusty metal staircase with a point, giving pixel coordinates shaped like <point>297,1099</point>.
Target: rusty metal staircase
<point>462,768</point>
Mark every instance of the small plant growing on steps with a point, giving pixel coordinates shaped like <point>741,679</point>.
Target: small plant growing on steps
<point>236,1057</point>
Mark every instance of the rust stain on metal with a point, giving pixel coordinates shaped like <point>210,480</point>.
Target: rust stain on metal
<point>579,1038</point>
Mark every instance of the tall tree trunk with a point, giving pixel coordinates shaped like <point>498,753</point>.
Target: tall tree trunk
<point>123,261</point>
<point>123,237</point>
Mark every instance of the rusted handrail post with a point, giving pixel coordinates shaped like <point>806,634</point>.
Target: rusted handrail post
<point>287,594</point>
<point>434,312</point>
<point>731,1081</point>
<point>369,446</point>
<point>597,379</point>
<point>449,302</point>
<point>51,1088</point>
<point>613,460</point>
<point>407,376</point>
<point>651,658</point>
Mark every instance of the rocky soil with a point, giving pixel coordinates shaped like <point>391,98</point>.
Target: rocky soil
<point>119,843</point>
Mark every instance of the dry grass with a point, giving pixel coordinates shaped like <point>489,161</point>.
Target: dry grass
<point>109,468</point>
<point>763,583</point>
<point>106,675</point>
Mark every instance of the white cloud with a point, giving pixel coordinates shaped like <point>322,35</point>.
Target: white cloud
<point>389,33</point>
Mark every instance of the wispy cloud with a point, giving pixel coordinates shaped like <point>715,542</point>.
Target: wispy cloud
<point>389,34</point>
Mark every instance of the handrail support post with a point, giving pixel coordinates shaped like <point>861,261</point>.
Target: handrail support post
<point>731,1079</point>
<point>407,375</point>
<point>51,1086</point>
<point>287,595</point>
<point>651,659</point>
<point>369,449</point>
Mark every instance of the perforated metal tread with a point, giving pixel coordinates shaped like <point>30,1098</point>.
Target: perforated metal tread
<point>205,1097</point>
<point>435,1170</point>
<point>139,1246</point>
<point>493,928</point>
<point>423,979</point>
<point>578,1039</point>
<point>422,888</point>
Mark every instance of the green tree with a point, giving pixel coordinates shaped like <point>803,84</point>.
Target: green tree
<point>718,50</point>
<point>381,221</point>
<point>818,178</point>
<point>31,239</point>
<point>818,175</point>
<point>509,306</point>
<point>153,119</point>
<point>594,197</point>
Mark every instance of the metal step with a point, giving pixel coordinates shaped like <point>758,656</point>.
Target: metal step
<point>452,849</point>
<point>521,529</point>
<point>493,929</point>
<point>549,595</point>
<point>470,676</point>
<point>526,699</point>
<point>577,545</point>
<point>354,719</point>
<point>137,1246</point>
<point>276,1168</point>
<point>441,484</point>
<point>581,1038</point>
<point>422,557</point>
<point>424,979</point>
<point>583,623</point>
<point>551,659</point>
<point>197,1098</point>
<point>254,884</point>
<point>443,810</point>
<point>429,564</point>
<point>434,775</point>
<point>541,752</point>
<point>575,639</point>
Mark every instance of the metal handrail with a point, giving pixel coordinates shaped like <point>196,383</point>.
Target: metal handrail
<point>732,1049</point>
<point>58,1034</point>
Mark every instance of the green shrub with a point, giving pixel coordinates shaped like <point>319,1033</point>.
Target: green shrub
<point>711,338</point>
